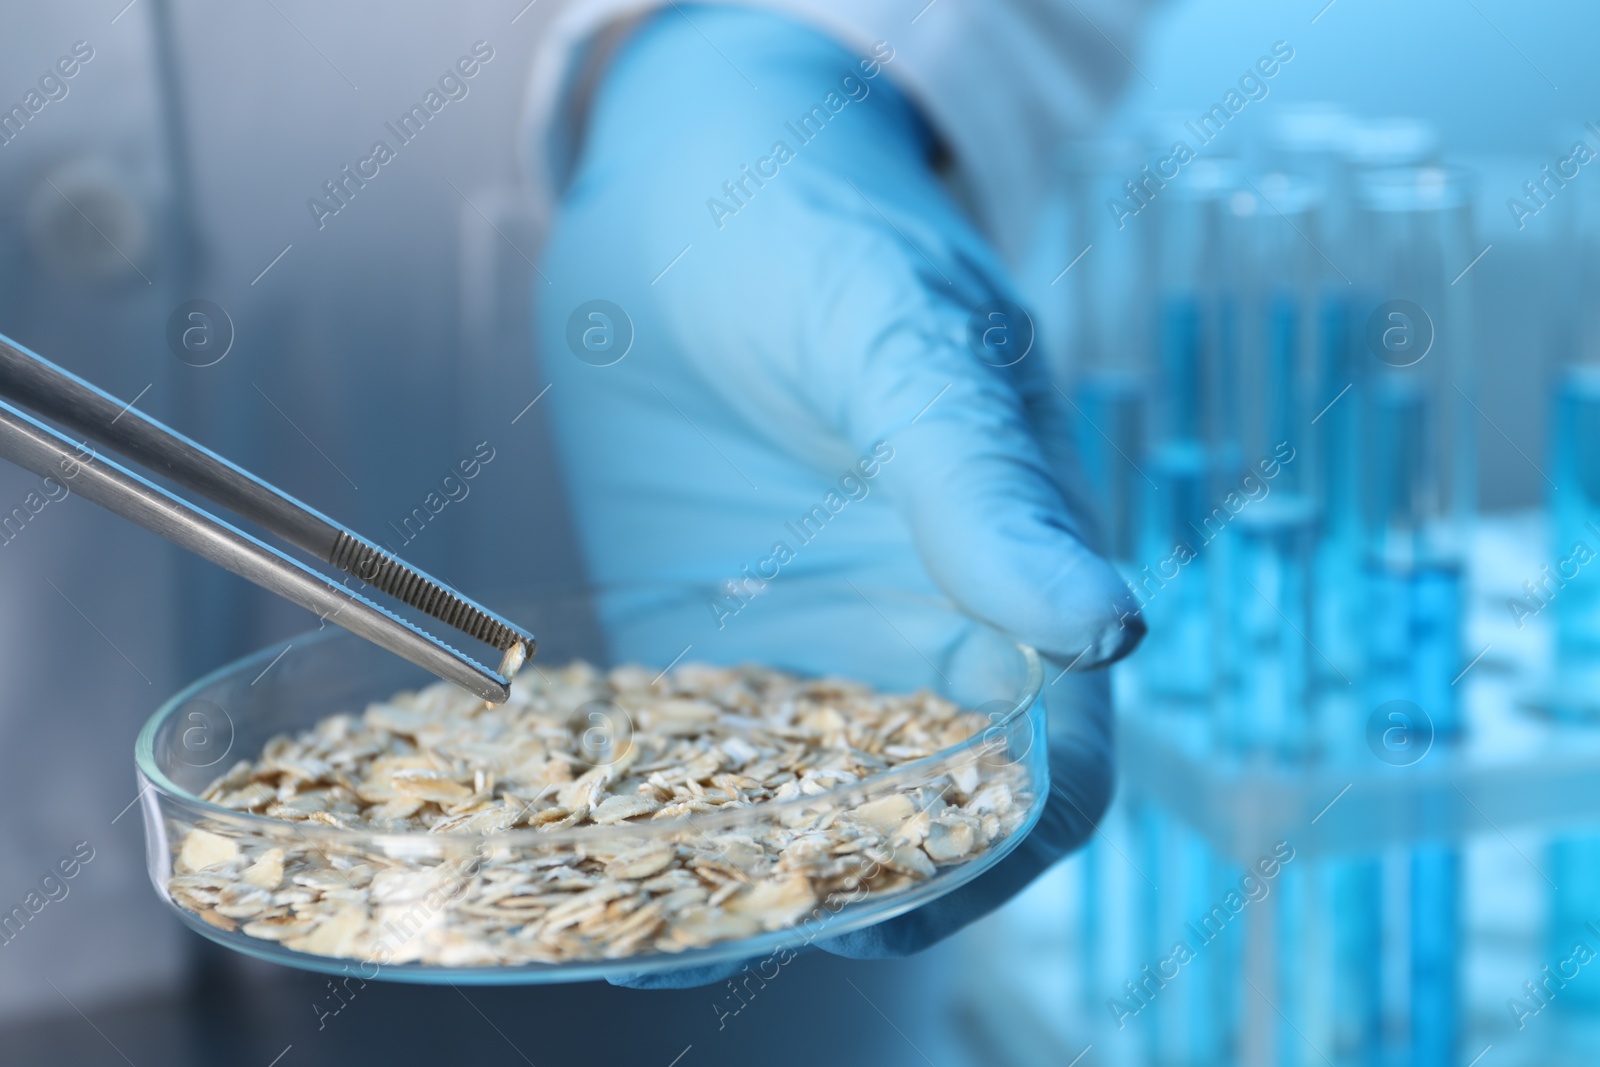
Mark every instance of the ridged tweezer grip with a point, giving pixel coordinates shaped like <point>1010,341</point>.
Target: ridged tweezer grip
<point>382,571</point>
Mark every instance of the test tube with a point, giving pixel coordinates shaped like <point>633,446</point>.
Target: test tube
<point>1271,518</point>
<point>1201,1028</point>
<point>1315,140</point>
<point>1418,427</point>
<point>1276,234</point>
<point>1189,253</point>
<point>1415,229</point>
<point>1342,361</point>
<point>1355,889</point>
<point>1097,267</point>
<point>1194,443</point>
<point>1414,612</point>
<point>1104,346</point>
<point>1396,146</point>
<point>1568,586</point>
<point>1110,437</point>
<point>1107,312</point>
<point>1416,224</point>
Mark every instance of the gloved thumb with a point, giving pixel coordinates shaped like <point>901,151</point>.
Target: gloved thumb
<point>986,514</point>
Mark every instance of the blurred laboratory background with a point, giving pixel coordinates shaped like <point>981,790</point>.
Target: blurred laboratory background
<point>1322,295</point>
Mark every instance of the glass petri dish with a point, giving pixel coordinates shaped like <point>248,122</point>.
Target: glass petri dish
<point>893,641</point>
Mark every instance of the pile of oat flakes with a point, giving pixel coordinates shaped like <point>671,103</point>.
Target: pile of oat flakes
<point>641,879</point>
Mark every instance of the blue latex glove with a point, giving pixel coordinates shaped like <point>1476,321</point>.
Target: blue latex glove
<point>777,337</point>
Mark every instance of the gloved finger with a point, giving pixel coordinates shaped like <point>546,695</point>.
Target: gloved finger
<point>1080,790</point>
<point>976,488</point>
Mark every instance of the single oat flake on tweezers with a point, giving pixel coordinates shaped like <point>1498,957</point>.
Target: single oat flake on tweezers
<point>611,766</point>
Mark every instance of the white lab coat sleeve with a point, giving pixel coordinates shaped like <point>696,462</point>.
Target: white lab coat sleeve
<point>1004,82</point>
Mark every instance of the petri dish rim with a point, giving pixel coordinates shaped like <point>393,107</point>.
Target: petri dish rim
<point>148,767</point>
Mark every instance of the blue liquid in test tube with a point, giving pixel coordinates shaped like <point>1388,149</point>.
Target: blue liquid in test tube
<point>1336,391</point>
<point>1174,586</point>
<point>1416,616</point>
<point>1182,349</point>
<point>1179,553</point>
<point>1208,1014</point>
<point>1091,920</point>
<point>1110,440</point>
<point>1148,826</point>
<point>1283,411</point>
<point>1267,709</point>
<point>1414,655</point>
<point>1335,436</point>
<point>1435,955</point>
<point>1357,887</point>
<point>1572,588</point>
<point>1573,594</point>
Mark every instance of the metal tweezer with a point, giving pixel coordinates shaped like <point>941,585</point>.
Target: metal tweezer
<point>83,409</point>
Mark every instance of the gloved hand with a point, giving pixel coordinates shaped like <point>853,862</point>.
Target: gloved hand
<point>789,288</point>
